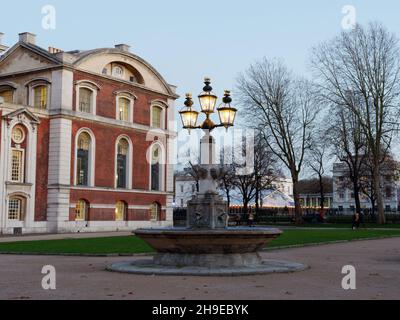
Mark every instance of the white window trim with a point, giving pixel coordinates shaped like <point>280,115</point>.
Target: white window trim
<point>22,173</point>
<point>149,157</point>
<point>163,113</point>
<point>129,168</point>
<point>92,157</point>
<point>131,99</point>
<point>24,204</point>
<point>36,83</point>
<point>92,87</point>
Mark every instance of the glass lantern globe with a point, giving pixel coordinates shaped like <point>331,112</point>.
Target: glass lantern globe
<point>207,99</point>
<point>227,114</point>
<point>188,114</point>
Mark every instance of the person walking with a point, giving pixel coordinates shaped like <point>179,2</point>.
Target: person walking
<point>356,221</point>
<point>251,219</point>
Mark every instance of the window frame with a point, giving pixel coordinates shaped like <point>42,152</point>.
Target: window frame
<point>128,165</point>
<point>131,98</point>
<point>91,158</point>
<point>86,210</point>
<point>22,165</point>
<point>163,107</point>
<point>161,164</point>
<point>22,207</point>
<point>86,84</point>
<point>5,88</point>
<point>124,212</point>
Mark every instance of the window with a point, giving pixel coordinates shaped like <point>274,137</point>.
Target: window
<point>122,155</point>
<point>118,72</point>
<point>181,188</point>
<point>81,210</point>
<point>82,161</point>
<point>156,174</point>
<point>123,109</point>
<point>15,208</point>
<point>155,211</point>
<point>181,203</point>
<point>7,95</point>
<point>40,97</point>
<point>120,211</point>
<point>17,135</point>
<point>85,100</point>
<point>156,121</point>
<point>341,195</point>
<point>17,165</point>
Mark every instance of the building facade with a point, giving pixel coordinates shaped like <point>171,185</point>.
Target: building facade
<point>343,196</point>
<point>84,138</point>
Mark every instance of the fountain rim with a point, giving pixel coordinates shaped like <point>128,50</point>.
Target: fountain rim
<point>251,231</point>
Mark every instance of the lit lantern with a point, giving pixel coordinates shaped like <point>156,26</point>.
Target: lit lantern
<point>227,114</point>
<point>188,114</point>
<point>207,99</point>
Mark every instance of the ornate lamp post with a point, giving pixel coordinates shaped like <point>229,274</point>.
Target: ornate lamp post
<point>207,209</point>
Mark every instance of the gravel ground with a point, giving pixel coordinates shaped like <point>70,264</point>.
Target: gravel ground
<point>377,263</point>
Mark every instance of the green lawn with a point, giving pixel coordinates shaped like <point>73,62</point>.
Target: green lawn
<point>340,225</point>
<point>131,244</point>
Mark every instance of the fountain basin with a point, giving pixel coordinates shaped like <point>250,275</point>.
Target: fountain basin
<point>216,241</point>
<point>207,252</point>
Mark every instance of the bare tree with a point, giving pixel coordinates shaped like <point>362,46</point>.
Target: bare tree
<point>251,184</point>
<point>316,162</point>
<point>348,142</point>
<point>284,108</point>
<point>359,70</point>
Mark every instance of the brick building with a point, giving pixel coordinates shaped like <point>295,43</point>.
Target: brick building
<point>84,139</point>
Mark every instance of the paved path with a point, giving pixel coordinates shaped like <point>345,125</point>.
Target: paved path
<point>377,263</point>
<point>63,236</point>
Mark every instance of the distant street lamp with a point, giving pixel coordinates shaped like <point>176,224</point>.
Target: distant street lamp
<point>208,101</point>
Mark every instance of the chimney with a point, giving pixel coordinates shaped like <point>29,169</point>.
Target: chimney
<point>122,47</point>
<point>2,47</point>
<point>27,37</point>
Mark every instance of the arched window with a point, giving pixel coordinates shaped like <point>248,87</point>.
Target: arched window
<point>120,211</point>
<point>122,163</point>
<point>82,159</point>
<point>40,97</point>
<point>124,109</point>
<point>85,100</point>
<point>155,212</point>
<point>7,93</point>
<point>81,210</point>
<point>156,168</point>
<point>16,208</point>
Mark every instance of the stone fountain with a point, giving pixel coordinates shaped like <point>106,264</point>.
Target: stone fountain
<point>207,246</point>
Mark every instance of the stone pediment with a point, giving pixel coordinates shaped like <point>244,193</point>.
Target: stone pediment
<point>23,57</point>
<point>22,114</point>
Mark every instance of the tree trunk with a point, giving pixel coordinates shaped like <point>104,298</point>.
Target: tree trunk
<point>257,196</point>
<point>322,194</point>
<point>378,194</point>
<point>356,191</point>
<point>297,206</point>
